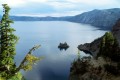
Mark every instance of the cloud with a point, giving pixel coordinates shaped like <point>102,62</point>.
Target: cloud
<point>41,1</point>
<point>62,5</point>
<point>57,7</point>
<point>13,3</point>
<point>94,2</point>
<point>57,14</point>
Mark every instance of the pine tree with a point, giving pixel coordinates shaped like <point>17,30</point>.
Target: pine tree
<point>7,44</point>
<point>8,40</point>
<point>109,47</point>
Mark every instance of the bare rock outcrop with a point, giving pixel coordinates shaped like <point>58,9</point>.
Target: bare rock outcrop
<point>90,48</point>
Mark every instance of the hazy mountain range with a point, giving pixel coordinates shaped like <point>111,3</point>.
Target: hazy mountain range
<point>104,19</point>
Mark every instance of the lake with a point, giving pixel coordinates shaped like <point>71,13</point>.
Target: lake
<point>56,63</point>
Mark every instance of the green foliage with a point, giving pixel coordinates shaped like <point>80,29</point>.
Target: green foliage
<point>1,78</point>
<point>30,60</point>
<point>111,69</point>
<point>78,54</point>
<point>7,45</point>
<point>17,76</point>
<point>8,40</point>
<point>80,66</point>
<point>109,47</point>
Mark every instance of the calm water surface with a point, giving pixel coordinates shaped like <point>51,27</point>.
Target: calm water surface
<point>56,64</point>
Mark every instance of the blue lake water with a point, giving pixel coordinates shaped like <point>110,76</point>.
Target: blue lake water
<point>56,64</point>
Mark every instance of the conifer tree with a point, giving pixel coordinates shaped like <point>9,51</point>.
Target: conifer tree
<point>8,40</point>
<point>109,47</point>
<point>7,44</point>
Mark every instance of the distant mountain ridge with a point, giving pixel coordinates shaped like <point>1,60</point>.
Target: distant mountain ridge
<point>28,18</point>
<point>103,19</point>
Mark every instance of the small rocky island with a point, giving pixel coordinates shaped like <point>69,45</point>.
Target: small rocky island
<point>62,46</point>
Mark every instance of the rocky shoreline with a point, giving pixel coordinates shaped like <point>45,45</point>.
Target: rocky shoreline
<point>93,47</point>
<point>105,61</point>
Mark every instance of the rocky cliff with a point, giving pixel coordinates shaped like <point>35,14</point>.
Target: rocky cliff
<point>93,47</point>
<point>104,66</point>
<point>90,48</point>
<point>116,30</point>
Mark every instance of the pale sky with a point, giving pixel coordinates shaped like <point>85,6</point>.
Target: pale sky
<point>56,7</point>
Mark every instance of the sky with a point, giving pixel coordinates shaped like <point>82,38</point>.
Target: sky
<point>56,7</point>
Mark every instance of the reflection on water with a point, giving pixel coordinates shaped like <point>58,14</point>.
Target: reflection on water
<point>63,48</point>
<point>56,64</point>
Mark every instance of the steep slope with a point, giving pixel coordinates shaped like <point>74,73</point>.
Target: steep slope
<point>106,66</point>
<point>116,30</point>
<point>104,19</point>
<point>91,48</point>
